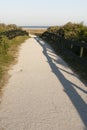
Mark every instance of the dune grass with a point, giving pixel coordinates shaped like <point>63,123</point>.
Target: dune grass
<point>8,51</point>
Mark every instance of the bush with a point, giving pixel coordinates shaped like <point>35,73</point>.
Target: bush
<point>4,45</point>
<point>71,31</point>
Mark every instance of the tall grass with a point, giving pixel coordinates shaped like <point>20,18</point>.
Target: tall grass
<point>8,48</point>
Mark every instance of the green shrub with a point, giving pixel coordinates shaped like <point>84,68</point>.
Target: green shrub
<point>71,31</point>
<point>4,45</point>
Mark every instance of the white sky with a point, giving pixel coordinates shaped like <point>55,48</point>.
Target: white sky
<point>43,12</point>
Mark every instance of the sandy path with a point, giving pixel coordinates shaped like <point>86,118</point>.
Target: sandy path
<point>42,93</point>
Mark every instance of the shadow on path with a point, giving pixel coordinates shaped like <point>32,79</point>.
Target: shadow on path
<point>68,86</point>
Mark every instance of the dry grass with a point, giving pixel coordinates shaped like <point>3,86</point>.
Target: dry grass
<point>7,60</point>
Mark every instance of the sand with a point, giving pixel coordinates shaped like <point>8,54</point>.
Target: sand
<point>43,93</point>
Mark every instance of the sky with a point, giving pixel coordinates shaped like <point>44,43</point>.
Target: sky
<point>42,12</point>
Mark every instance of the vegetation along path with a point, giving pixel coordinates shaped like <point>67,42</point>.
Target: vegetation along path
<point>42,92</point>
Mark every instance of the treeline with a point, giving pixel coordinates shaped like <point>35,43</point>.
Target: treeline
<point>70,31</point>
<point>11,31</point>
<point>4,27</point>
<point>8,32</point>
<point>71,36</point>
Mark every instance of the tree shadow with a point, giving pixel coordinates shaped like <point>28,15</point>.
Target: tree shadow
<point>68,86</point>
